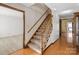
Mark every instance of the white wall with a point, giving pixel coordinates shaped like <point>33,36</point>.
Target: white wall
<point>32,14</point>
<point>11,22</point>
<point>11,30</point>
<point>55,29</point>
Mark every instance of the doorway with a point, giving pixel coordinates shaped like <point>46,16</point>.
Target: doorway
<point>66,31</point>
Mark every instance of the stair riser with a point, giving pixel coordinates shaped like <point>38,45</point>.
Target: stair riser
<point>37,42</point>
<point>38,51</point>
<point>37,38</point>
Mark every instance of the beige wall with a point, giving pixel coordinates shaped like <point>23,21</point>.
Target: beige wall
<point>64,26</point>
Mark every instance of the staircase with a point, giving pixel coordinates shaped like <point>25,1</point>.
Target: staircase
<point>40,38</point>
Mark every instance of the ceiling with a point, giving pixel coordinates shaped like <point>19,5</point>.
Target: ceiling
<point>63,9</point>
<point>28,4</point>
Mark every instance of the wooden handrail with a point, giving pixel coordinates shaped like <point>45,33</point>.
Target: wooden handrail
<point>37,21</point>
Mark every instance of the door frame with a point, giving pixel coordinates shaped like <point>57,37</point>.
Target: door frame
<point>60,28</point>
<point>13,8</point>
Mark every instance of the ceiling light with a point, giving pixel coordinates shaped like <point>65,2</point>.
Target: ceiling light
<point>54,8</point>
<point>66,12</point>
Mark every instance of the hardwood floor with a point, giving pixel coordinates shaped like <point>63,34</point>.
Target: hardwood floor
<point>60,47</point>
<point>26,51</point>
